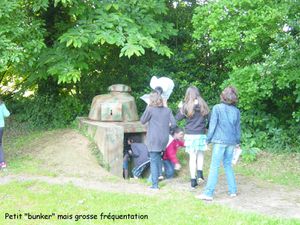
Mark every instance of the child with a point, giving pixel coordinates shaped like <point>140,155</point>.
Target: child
<point>225,134</point>
<point>159,119</point>
<point>126,156</point>
<point>195,111</point>
<point>140,156</point>
<point>171,163</point>
<point>3,113</point>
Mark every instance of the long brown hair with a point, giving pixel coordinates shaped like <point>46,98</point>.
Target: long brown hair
<point>192,95</point>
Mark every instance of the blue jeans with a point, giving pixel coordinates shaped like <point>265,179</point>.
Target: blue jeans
<point>155,162</point>
<point>125,162</point>
<point>221,152</point>
<point>169,169</point>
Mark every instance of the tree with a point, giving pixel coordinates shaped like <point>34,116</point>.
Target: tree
<point>65,39</point>
<point>260,43</point>
<point>21,39</point>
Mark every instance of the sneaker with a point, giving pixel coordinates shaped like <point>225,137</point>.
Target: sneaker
<point>154,188</point>
<point>200,180</point>
<point>160,177</point>
<point>232,195</point>
<point>204,197</point>
<point>194,183</point>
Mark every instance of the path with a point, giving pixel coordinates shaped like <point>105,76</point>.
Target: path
<point>67,153</point>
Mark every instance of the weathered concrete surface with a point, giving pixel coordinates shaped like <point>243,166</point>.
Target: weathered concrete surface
<point>112,116</point>
<point>109,138</point>
<point>118,105</point>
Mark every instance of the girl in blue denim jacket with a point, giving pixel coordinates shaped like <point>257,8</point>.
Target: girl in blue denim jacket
<point>224,133</point>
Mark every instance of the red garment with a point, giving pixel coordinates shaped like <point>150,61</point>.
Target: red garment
<point>171,150</point>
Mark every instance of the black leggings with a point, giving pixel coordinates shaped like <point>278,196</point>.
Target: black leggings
<point>1,148</point>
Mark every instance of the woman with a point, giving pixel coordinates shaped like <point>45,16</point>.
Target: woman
<point>224,134</point>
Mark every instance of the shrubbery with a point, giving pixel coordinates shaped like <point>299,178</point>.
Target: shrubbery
<point>47,111</point>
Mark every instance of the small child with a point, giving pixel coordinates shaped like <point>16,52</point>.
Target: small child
<point>159,119</point>
<point>171,162</point>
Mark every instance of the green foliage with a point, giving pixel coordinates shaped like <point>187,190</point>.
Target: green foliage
<point>91,29</point>
<point>259,41</point>
<point>250,154</point>
<point>48,111</point>
<point>71,39</point>
<point>21,38</point>
<point>79,48</point>
<point>242,28</point>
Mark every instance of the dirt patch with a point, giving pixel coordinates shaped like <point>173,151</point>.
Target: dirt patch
<point>67,154</point>
<point>253,196</point>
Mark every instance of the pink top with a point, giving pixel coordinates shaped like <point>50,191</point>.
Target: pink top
<point>171,150</point>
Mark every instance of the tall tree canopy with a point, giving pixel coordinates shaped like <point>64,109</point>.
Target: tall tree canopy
<point>65,39</point>
<point>259,40</point>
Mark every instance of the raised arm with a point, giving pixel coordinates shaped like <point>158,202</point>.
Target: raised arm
<point>146,116</point>
<point>179,116</point>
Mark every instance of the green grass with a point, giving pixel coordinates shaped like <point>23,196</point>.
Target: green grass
<point>281,169</point>
<point>173,208</point>
<point>17,149</point>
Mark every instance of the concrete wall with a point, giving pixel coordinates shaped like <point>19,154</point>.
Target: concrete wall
<point>109,138</point>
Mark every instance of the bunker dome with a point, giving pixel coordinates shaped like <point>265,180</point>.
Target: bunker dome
<point>112,119</point>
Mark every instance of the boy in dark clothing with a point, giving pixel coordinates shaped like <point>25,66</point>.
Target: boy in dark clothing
<point>138,152</point>
<point>141,160</point>
<point>126,157</point>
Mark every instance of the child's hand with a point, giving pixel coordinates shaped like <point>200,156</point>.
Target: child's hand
<point>177,166</point>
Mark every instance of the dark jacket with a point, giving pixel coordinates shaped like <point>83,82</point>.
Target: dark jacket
<point>139,154</point>
<point>196,124</point>
<point>224,125</point>
<point>159,120</point>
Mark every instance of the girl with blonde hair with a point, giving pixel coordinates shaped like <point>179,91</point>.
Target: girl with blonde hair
<point>195,111</point>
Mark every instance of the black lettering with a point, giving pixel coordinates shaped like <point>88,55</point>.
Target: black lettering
<point>65,217</point>
<point>12,216</point>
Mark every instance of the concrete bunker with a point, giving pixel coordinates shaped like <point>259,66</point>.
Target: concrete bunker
<point>112,118</point>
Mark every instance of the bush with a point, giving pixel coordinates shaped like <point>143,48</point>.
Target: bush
<point>47,111</point>
<point>263,131</point>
